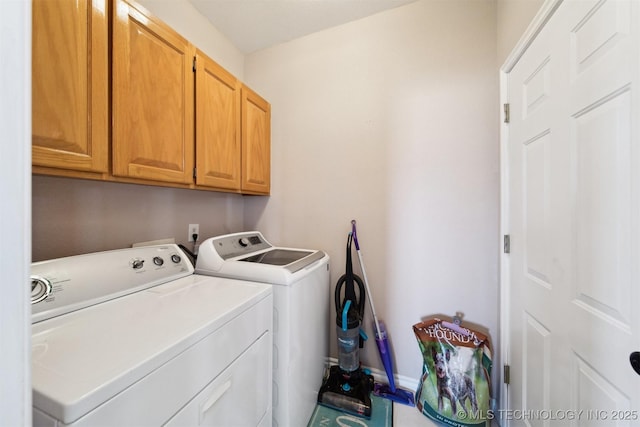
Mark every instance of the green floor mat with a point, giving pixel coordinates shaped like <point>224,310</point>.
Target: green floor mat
<point>381,416</point>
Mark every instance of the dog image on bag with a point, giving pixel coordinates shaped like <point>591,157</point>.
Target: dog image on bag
<point>455,387</point>
<point>453,384</point>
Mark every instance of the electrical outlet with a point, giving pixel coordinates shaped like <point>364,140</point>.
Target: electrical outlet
<point>193,229</point>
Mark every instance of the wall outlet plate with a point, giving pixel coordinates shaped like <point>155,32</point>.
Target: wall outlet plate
<point>193,229</point>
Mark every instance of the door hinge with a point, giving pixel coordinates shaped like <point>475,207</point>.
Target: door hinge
<point>195,170</point>
<point>506,248</point>
<point>506,113</point>
<point>194,64</point>
<point>506,374</point>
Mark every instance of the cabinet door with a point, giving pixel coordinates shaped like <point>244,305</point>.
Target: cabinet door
<point>256,143</point>
<point>153,123</point>
<point>217,125</point>
<point>70,84</point>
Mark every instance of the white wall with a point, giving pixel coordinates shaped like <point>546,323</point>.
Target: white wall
<point>15,220</point>
<point>513,18</point>
<point>391,120</point>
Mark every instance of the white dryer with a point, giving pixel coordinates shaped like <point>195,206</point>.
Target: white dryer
<point>133,337</point>
<point>300,279</point>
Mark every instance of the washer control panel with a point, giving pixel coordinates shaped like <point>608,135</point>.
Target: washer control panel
<point>233,245</point>
<point>62,285</point>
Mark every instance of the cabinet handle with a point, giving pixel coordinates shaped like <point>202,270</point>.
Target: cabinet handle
<point>217,394</point>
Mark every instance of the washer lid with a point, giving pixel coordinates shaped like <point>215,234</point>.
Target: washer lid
<point>84,358</point>
<point>292,259</point>
<point>277,257</point>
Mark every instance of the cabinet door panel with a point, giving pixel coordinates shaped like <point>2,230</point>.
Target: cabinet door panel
<point>256,143</point>
<point>152,99</point>
<point>70,84</point>
<point>217,126</point>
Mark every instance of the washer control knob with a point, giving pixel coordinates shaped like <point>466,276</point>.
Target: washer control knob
<point>137,263</point>
<point>176,258</point>
<point>40,289</point>
<point>244,242</point>
<point>158,261</point>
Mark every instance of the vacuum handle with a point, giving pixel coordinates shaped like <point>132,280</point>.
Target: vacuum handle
<point>345,315</point>
<point>357,303</point>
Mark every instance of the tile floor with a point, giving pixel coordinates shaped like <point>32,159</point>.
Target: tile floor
<point>407,416</point>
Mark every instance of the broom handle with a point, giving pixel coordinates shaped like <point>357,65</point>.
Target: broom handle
<point>364,275</point>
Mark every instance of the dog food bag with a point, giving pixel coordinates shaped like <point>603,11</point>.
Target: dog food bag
<point>455,386</point>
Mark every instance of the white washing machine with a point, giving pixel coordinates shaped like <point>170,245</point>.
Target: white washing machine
<point>133,338</point>
<point>300,279</point>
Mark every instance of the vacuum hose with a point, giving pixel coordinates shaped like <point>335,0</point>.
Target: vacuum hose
<point>349,314</point>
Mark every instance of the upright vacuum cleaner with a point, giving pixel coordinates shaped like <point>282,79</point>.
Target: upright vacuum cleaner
<point>347,387</point>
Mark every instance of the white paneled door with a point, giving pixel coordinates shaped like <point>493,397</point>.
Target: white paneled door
<point>573,214</point>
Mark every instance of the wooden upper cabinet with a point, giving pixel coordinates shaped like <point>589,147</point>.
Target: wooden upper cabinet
<point>217,125</point>
<point>256,143</point>
<point>70,91</point>
<point>162,118</point>
<point>153,98</point>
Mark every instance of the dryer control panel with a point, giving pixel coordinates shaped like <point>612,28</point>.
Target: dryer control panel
<point>63,285</point>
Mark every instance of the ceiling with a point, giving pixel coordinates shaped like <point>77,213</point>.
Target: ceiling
<point>253,25</point>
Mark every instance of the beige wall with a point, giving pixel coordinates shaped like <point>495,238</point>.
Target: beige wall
<point>513,18</point>
<point>392,120</point>
<point>72,216</point>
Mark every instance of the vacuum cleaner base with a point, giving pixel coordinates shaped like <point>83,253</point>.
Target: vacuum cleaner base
<point>347,391</point>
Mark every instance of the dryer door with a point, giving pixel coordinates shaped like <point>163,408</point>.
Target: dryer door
<point>236,396</point>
